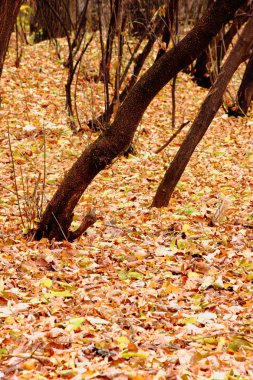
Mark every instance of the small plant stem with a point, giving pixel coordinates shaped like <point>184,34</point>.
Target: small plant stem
<point>14,173</point>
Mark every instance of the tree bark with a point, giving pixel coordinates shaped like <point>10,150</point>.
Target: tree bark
<point>203,76</point>
<point>200,72</point>
<point>58,215</point>
<point>51,20</point>
<point>8,13</point>
<point>223,45</point>
<point>171,10</point>
<point>102,120</point>
<point>205,116</point>
<point>245,92</point>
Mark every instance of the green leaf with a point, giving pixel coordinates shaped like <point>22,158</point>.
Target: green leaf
<point>237,342</point>
<point>249,277</point>
<point>74,324</point>
<point>65,284</point>
<point>180,244</point>
<point>190,211</point>
<point>3,351</point>
<point>137,275</point>
<point>122,275</point>
<point>233,347</point>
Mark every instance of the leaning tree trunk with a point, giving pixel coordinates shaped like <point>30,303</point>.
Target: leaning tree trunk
<point>202,75</point>
<point>205,116</point>
<point>58,215</point>
<point>139,60</point>
<point>245,92</point>
<point>226,40</point>
<point>8,13</point>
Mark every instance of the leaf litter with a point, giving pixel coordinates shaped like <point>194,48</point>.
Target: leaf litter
<point>145,293</point>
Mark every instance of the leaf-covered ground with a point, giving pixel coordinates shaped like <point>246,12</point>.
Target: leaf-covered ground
<point>146,293</point>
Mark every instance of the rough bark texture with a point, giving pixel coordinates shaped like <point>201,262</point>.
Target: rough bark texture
<point>206,114</point>
<point>114,141</point>
<point>8,13</point>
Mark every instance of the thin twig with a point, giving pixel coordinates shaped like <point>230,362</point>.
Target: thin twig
<point>11,191</point>
<point>65,237</point>
<point>44,170</point>
<point>173,99</point>
<point>14,173</point>
<point>172,137</point>
<point>25,197</point>
<point>29,356</point>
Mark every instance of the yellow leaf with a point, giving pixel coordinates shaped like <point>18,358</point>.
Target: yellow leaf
<point>29,364</point>
<point>170,289</point>
<point>123,342</point>
<point>185,227</point>
<point>47,282</point>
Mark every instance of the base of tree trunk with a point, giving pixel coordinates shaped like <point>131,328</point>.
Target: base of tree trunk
<point>208,109</point>
<point>115,140</point>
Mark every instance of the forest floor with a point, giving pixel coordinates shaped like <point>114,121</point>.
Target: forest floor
<point>145,293</point>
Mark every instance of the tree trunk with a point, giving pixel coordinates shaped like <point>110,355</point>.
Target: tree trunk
<point>171,10</point>
<point>99,123</point>
<point>203,76</point>
<point>110,37</point>
<point>205,116</point>
<point>223,45</point>
<point>200,72</point>
<point>51,20</point>
<point>58,215</point>
<point>8,13</point>
<point>245,92</point>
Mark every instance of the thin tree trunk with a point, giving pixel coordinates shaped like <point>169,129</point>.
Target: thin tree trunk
<point>58,215</point>
<point>200,71</point>
<point>99,122</point>
<point>8,13</point>
<point>245,92</point>
<point>169,20</point>
<point>224,43</point>
<point>205,116</point>
<point>202,75</point>
<point>51,20</point>
<point>115,12</point>
<point>79,34</point>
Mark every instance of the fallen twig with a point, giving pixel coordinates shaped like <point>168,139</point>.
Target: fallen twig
<point>172,137</point>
